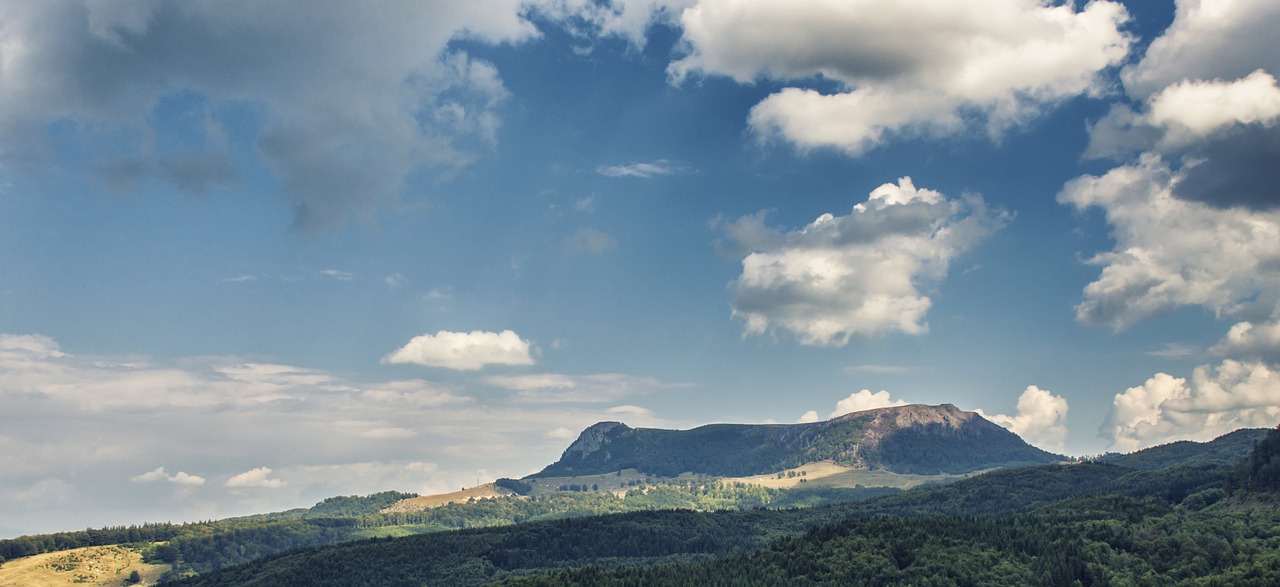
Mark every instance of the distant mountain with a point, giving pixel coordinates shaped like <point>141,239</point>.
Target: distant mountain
<point>1223,450</point>
<point>905,439</point>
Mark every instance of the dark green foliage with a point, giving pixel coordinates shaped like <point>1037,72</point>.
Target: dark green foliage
<point>345,506</point>
<point>133,579</point>
<point>1085,524</point>
<point>1261,471</point>
<point>520,487</point>
<point>32,545</point>
<point>1227,449</point>
<point>1109,540</point>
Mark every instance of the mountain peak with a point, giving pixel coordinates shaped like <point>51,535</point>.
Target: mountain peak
<point>912,438</point>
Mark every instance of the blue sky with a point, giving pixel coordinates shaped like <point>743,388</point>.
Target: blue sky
<point>254,255</point>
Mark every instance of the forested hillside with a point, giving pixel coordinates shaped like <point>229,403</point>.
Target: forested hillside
<point>551,535</point>
<point>1096,523</point>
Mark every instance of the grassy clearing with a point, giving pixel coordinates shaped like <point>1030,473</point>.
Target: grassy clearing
<point>91,566</point>
<point>426,502</point>
<point>827,474</point>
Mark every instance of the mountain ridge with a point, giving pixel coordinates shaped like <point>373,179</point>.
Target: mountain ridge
<point>914,438</point>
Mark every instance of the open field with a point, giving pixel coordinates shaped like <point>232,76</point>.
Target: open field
<point>92,565</point>
<point>829,474</point>
<point>426,502</point>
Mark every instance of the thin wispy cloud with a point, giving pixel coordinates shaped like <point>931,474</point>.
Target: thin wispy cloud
<point>640,170</point>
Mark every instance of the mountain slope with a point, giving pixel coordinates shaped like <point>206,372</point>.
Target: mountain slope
<point>1223,450</point>
<point>904,439</point>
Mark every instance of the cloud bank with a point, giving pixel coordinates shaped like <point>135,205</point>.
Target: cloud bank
<point>901,68</point>
<point>1195,217</point>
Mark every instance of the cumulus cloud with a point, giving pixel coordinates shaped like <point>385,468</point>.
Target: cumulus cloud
<point>1209,40</point>
<point>1216,400</point>
<point>1041,419</point>
<point>1194,109</point>
<point>1221,136</point>
<point>254,478</point>
<point>809,417</point>
<point>352,102</point>
<point>854,275</point>
<point>863,400</point>
<point>464,351</point>
<point>1253,341</point>
<point>1170,252</point>
<point>160,474</point>
<point>1001,60</point>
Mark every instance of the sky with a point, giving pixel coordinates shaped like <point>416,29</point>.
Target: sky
<point>255,254</point>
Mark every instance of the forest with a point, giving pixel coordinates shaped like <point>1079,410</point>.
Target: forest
<point>1096,523</point>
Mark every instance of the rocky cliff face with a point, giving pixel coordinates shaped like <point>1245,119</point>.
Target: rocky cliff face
<point>592,439</point>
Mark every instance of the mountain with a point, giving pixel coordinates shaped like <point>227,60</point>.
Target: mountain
<point>1224,450</point>
<point>903,439</point>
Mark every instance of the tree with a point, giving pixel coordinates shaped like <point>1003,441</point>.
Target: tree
<point>133,579</point>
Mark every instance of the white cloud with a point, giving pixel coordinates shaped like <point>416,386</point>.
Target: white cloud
<point>394,281</point>
<point>338,275</point>
<point>1235,394</point>
<point>593,388</point>
<point>160,474</point>
<point>1171,252</point>
<point>1223,39</point>
<point>254,478</point>
<point>590,240</point>
<point>1179,118</point>
<point>1192,110</point>
<point>466,351</point>
<point>242,278</point>
<point>1001,60</point>
<point>351,102</point>
<point>1041,419</point>
<point>1249,340</point>
<point>641,170</point>
<point>1174,350</point>
<point>863,400</point>
<point>636,414</point>
<point>809,417</point>
<point>37,346</point>
<point>854,275</point>
<point>627,19</point>
<point>77,422</point>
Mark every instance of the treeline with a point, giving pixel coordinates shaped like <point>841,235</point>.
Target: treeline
<point>22,546</point>
<point>1104,540</point>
